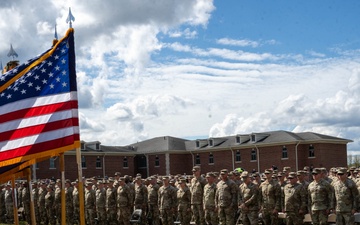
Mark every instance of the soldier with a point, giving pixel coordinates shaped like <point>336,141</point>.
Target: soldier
<point>197,188</point>
<point>184,199</point>
<point>270,199</point>
<point>153,209</point>
<point>57,201</point>
<point>346,198</point>
<point>141,196</point>
<point>124,202</point>
<point>256,178</point>
<point>76,202</point>
<point>319,198</point>
<point>225,199</point>
<point>25,196</point>
<point>248,200</point>
<point>9,203</point>
<point>100,203</point>
<point>2,204</point>
<point>209,200</point>
<point>41,202</point>
<point>90,208</point>
<point>49,206</point>
<point>69,202</point>
<point>301,180</point>
<point>294,201</point>
<point>167,202</point>
<point>352,174</point>
<point>111,202</point>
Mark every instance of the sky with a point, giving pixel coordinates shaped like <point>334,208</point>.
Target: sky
<point>202,68</point>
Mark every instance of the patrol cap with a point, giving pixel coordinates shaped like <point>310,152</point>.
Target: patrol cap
<point>341,171</point>
<point>280,174</point>
<point>292,175</point>
<point>231,173</point>
<point>268,171</point>
<point>100,182</point>
<point>58,180</point>
<point>117,174</point>
<point>111,179</point>
<point>210,174</point>
<point>245,174</point>
<point>165,177</point>
<point>138,178</point>
<point>352,168</point>
<point>172,181</point>
<point>121,178</point>
<point>223,171</point>
<point>300,172</point>
<point>286,168</point>
<point>316,171</point>
<point>196,168</point>
<point>182,181</point>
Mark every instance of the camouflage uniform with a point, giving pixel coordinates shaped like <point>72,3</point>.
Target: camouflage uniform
<point>248,201</point>
<point>346,198</point>
<point>25,196</point>
<point>184,199</point>
<point>100,205</point>
<point>9,204</point>
<point>140,200</point>
<point>294,202</point>
<point>319,199</point>
<point>153,208</point>
<point>226,199</point>
<point>76,205</point>
<point>197,192</point>
<point>41,203</point>
<point>90,208</point>
<point>57,203</point>
<point>111,205</point>
<point>2,205</point>
<point>124,203</point>
<point>167,202</point>
<point>69,206</point>
<point>209,202</point>
<point>270,200</point>
<point>49,206</point>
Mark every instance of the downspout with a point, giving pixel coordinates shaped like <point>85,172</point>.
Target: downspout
<point>232,157</point>
<point>258,157</point>
<point>192,156</point>
<point>147,165</point>
<point>104,165</point>
<point>296,156</point>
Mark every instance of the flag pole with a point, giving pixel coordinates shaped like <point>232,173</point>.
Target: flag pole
<point>62,170</point>
<point>81,187</point>
<point>32,209</point>
<point>16,216</point>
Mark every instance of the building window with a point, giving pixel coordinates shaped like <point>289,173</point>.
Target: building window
<point>238,139</point>
<point>211,158</point>
<point>311,151</point>
<point>125,162</point>
<point>253,138</point>
<point>237,156</point>
<point>284,154</point>
<point>157,161</point>
<point>198,144</point>
<point>83,162</point>
<point>82,146</point>
<point>52,163</point>
<point>253,155</point>
<point>197,159</point>
<point>211,142</point>
<point>98,162</point>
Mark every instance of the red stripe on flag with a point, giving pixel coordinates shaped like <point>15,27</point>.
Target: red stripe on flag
<point>40,147</point>
<point>37,111</point>
<point>33,130</point>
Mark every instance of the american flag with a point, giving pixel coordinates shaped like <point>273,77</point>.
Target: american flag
<point>39,106</point>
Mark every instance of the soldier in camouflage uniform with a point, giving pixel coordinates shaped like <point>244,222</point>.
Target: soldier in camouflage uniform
<point>141,195</point>
<point>57,200</point>
<point>90,208</point>
<point>2,204</point>
<point>270,199</point>
<point>41,202</point>
<point>226,199</point>
<point>153,209</point>
<point>9,203</point>
<point>197,192</point>
<point>111,203</point>
<point>25,196</point>
<point>248,200</point>
<point>294,201</point>
<point>319,198</point>
<point>211,217</point>
<point>183,199</point>
<point>76,202</point>
<point>346,198</point>
<point>167,202</point>
<point>69,206</point>
<point>100,203</point>
<point>49,206</point>
<point>124,202</point>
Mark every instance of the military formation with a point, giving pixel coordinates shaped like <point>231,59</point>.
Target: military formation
<point>224,197</point>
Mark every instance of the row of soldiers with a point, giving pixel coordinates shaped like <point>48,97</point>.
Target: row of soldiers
<point>215,198</point>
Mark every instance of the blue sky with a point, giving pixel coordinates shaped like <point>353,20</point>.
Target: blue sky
<point>202,68</point>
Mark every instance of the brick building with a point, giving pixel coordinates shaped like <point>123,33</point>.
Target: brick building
<point>171,155</point>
